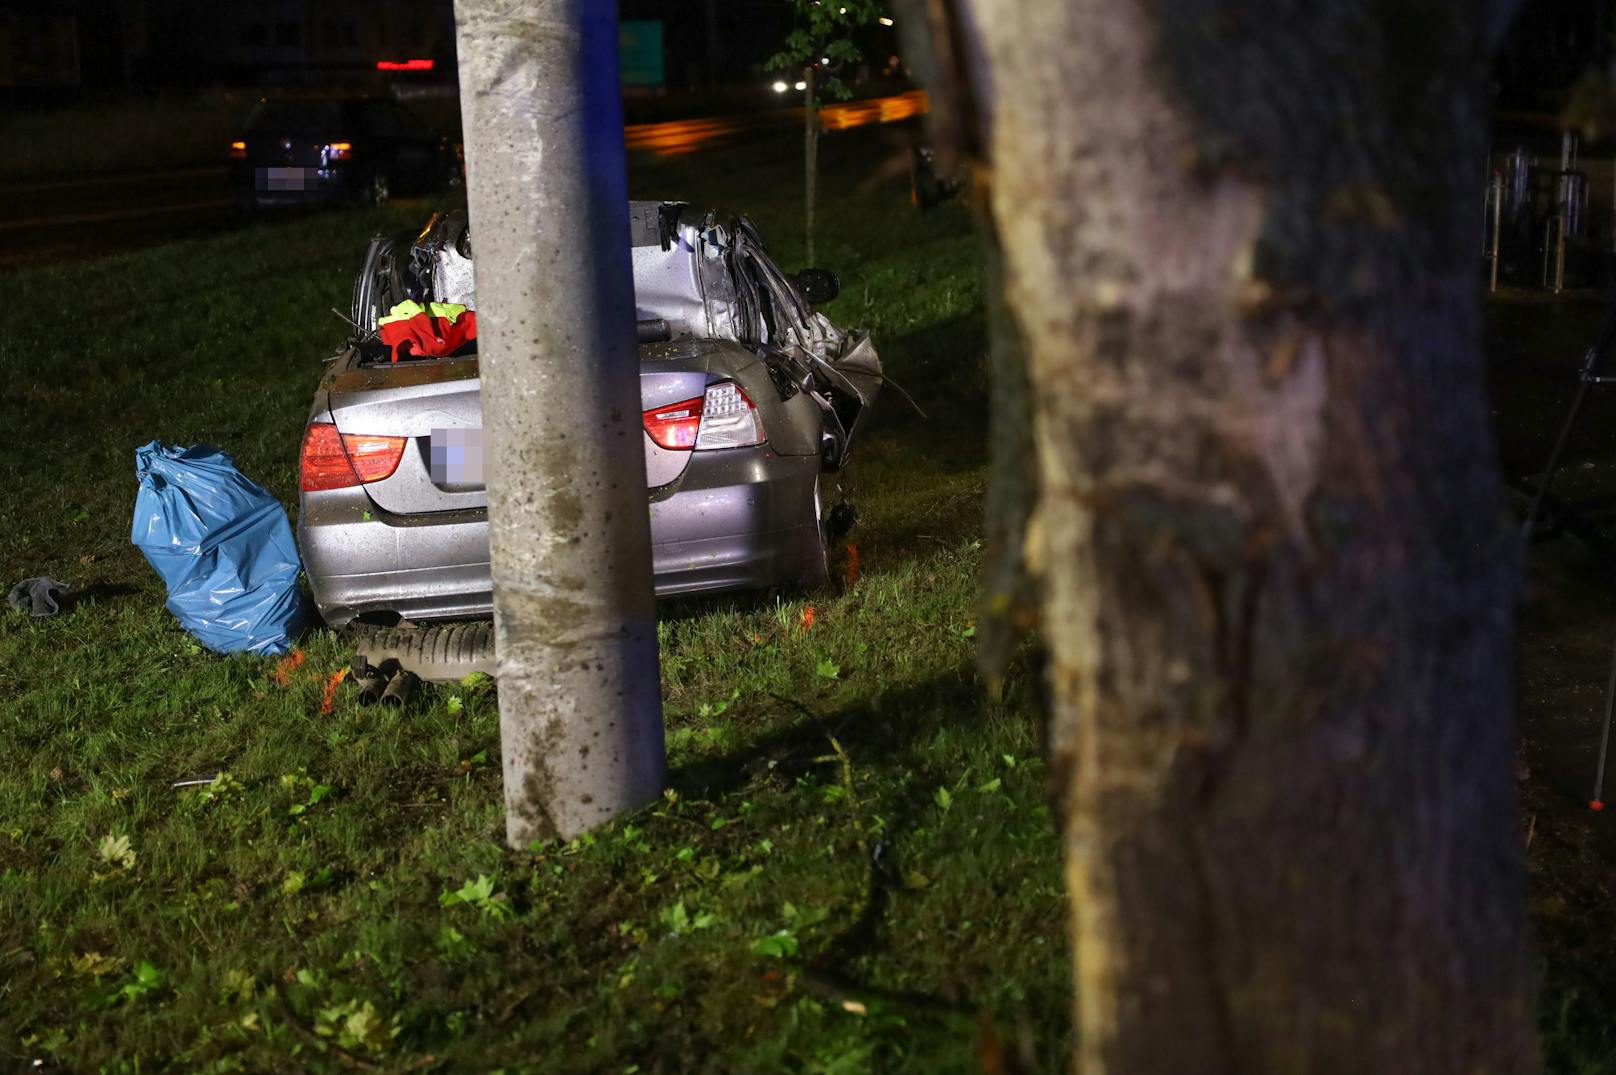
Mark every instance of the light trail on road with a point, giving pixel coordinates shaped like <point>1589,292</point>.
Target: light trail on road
<point>39,215</point>
<point>673,138</point>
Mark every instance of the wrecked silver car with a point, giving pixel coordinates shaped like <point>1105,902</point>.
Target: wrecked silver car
<point>752,400</point>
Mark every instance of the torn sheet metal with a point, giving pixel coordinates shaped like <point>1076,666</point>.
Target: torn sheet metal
<point>705,275</point>
<point>452,278</point>
<point>667,257</point>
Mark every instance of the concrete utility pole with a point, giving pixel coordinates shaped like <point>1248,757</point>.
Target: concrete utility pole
<point>574,616</point>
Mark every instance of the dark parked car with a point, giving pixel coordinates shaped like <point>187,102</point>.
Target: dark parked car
<point>322,150</point>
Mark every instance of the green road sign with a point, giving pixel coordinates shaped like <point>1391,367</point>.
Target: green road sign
<point>639,52</point>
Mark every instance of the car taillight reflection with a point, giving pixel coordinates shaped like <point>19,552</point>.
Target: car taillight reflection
<point>675,426</point>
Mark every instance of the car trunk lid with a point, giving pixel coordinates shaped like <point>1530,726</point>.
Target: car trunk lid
<point>438,404</point>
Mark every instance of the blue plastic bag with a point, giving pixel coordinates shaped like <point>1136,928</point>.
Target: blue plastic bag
<point>222,545</point>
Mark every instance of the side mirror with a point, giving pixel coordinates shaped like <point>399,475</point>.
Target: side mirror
<point>817,286</point>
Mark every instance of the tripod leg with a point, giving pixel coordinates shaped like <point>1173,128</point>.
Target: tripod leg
<point>1598,803</point>
<point>1591,365</point>
<point>1554,456</point>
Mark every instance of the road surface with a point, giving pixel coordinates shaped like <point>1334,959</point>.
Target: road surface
<point>67,219</point>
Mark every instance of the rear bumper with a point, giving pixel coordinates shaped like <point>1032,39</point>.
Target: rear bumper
<point>742,518</point>
<point>264,186</point>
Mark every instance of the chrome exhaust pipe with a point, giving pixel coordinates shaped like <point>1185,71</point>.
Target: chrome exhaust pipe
<point>400,689</point>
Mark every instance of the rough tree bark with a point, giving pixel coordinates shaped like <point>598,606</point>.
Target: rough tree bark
<point>574,618</point>
<point>1277,580</point>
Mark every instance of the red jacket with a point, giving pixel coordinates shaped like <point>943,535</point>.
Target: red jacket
<point>431,331</point>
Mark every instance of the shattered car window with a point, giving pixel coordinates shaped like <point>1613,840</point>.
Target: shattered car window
<point>701,273</point>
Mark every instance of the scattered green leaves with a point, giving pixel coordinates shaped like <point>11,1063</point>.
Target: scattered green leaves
<point>781,944</point>
<point>452,942</point>
<point>222,788</point>
<point>117,852</point>
<point>305,790</point>
<point>145,979</point>
<point>356,1024</point>
<point>239,986</point>
<point>679,921</point>
<point>478,893</point>
<point>94,964</point>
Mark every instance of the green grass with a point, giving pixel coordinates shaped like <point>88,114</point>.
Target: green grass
<point>854,869</point>
<point>854,865</point>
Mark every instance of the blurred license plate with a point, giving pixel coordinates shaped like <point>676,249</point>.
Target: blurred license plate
<point>284,178</point>
<point>457,457</point>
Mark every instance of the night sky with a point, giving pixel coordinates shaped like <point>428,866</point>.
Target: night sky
<point>67,49</point>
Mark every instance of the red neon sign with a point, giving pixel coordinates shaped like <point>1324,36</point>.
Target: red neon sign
<point>404,65</point>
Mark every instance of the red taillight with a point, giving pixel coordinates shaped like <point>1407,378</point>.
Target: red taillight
<point>338,151</point>
<point>722,417</point>
<point>332,460</point>
<point>238,149</point>
<point>323,464</point>
<point>675,426</point>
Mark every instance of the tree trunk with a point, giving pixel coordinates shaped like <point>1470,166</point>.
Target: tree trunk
<point>1277,579</point>
<point>810,157</point>
<point>569,537</point>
